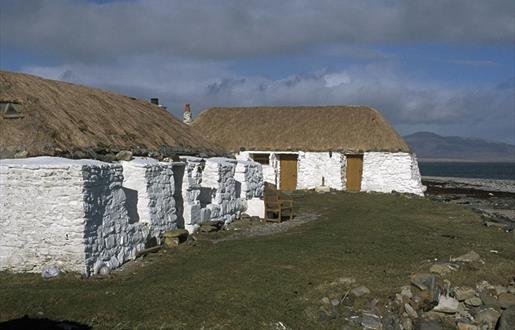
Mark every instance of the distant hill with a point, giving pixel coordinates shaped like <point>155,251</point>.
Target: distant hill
<point>433,147</point>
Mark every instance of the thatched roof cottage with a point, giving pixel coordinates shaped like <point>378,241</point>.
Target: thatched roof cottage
<point>349,148</point>
<point>72,195</point>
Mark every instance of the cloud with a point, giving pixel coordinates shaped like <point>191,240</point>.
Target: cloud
<point>409,104</point>
<point>473,62</point>
<point>229,29</point>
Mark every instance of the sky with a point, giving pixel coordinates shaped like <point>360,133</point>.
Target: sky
<point>445,66</point>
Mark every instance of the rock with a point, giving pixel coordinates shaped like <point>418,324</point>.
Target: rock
<point>428,325</point>
<point>507,319</point>
<point>484,285</point>
<point>407,324</point>
<point>441,269</point>
<point>506,300</point>
<point>207,228</point>
<point>360,291</point>
<point>346,280</point>
<point>447,305</point>
<point>489,300</point>
<point>467,326</point>
<point>124,155</point>
<point>410,311</point>
<point>406,292</point>
<point>104,270</point>
<point>335,302</point>
<point>430,288</point>
<point>325,301</point>
<point>78,154</point>
<point>474,302</point>
<point>470,256</point>
<point>371,321</point>
<point>21,154</point>
<point>50,271</point>
<point>175,237</point>
<point>463,293</point>
<point>322,189</point>
<point>391,322</point>
<point>488,317</point>
<point>500,289</point>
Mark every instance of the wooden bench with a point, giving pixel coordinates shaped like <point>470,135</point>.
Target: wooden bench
<point>277,205</point>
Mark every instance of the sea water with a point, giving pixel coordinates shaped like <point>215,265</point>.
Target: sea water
<point>499,171</point>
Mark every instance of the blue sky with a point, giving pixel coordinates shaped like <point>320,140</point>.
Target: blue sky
<point>441,66</point>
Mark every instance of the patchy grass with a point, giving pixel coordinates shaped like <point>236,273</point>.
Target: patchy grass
<point>256,282</point>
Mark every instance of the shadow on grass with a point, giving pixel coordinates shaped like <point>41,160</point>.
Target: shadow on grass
<point>41,324</point>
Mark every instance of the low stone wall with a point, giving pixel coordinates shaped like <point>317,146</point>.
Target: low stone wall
<point>387,172</point>
<point>191,190</point>
<point>149,185</point>
<point>218,177</point>
<point>315,167</point>
<point>65,212</point>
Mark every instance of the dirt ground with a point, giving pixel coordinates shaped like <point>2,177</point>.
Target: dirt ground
<point>272,276</point>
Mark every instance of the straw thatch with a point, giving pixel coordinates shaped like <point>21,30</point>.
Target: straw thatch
<point>60,118</point>
<point>323,128</point>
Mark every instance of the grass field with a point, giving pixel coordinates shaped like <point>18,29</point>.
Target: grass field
<point>256,282</point>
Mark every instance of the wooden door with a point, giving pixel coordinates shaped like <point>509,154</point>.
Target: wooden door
<point>288,172</point>
<point>354,172</point>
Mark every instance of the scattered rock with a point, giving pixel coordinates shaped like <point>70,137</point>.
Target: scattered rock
<point>441,269</point>
<point>507,320</point>
<point>391,322</point>
<point>467,326</point>
<point>447,305</point>
<point>428,325</point>
<point>325,301</point>
<point>500,289</point>
<point>470,256</point>
<point>484,285</point>
<point>335,302</point>
<point>488,317</point>
<point>506,300</point>
<point>489,300</point>
<point>175,237</point>
<point>406,292</point>
<point>463,293</point>
<point>360,291</point>
<point>124,155</point>
<point>410,311</point>
<point>370,321</point>
<point>407,324</point>
<point>346,280</point>
<point>474,302</point>
<point>21,154</point>
<point>430,289</point>
<point>50,271</point>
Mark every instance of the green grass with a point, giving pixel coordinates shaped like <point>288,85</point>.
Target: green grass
<point>254,282</point>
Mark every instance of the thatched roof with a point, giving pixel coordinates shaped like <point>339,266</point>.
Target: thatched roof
<point>60,118</point>
<point>320,128</point>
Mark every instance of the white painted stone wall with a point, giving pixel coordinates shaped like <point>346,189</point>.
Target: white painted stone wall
<point>191,187</point>
<point>218,175</point>
<point>66,212</point>
<point>269,171</point>
<point>249,175</point>
<point>150,184</point>
<point>387,172</point>
<point>313,166</point>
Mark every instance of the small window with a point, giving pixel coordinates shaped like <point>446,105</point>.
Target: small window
<point>263,159</point>
<point>10,110</point>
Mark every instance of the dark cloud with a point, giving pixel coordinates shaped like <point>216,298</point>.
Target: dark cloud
<point>230,29</point>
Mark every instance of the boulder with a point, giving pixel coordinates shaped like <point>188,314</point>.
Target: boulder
<point>506,300</point>
<point>463,293</point>
<point>507,319</point>
<point>487,317</point>
<point>473,302</point>
<point>124,155</point>
<point>467,326</point>
<point>359,291</point>
<point>447,305</point>
<point>429,286</point>
<point>175,237</point>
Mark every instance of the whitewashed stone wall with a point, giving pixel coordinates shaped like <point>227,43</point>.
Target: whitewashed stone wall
<point>249,175</point>
<point>269,171</point>
<point>387,172</point>
<point>191,188</point>
<point>150,185</point>
<point>66,212</point>
<point>218,175</point>
<point>313,166</point>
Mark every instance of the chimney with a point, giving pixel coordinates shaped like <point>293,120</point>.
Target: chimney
<point>186,116</point>
<point>154,100</point>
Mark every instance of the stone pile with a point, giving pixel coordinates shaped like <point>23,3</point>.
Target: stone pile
<point>429,301</point>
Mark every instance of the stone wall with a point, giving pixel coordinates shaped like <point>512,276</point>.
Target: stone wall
<point>150,185</point>
<point>191,189</point>
<point>66,212</point>
<point>315,167</point>
<point>218,179</point>
<point>387,172</point>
